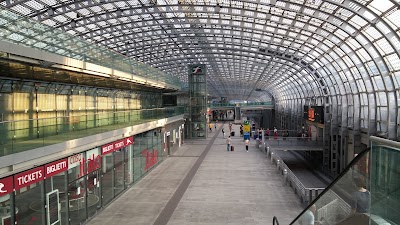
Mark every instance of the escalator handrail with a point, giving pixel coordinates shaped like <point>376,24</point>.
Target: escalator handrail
<point>275,219</point>
<point>348,167</point>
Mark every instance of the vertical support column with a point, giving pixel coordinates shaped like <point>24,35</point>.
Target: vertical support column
<point>238,116</point>
<point>197,101</point>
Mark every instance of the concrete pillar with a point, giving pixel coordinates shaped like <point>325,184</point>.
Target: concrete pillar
<point>238,116</point>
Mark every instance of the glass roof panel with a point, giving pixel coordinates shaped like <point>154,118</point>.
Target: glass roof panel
<point>380,5</point>
<point>256,34</point>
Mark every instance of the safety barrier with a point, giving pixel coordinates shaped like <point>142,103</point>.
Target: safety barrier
<point>307,195</point>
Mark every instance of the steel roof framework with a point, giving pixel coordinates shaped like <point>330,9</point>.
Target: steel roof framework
<point>336,52</point>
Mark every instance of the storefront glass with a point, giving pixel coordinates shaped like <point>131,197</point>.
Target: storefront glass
<point>119,171</point>
<point>77,201</point>
<point>56,192</point>
<point>137,165</point>
<point>6,201</point>
<point>107,178</point>
<point>128,165</point>
<point>93,165</point>
<point>76,188</point>
<point>29,197</point>
<point>6,210</point>
<point>70,190</point>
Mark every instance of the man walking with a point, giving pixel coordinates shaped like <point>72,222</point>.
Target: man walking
<point>228,143</point>
<point>223,133</point>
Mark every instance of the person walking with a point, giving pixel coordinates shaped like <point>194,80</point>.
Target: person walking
<point>228,143</point>
<point>308,218</point>
<point>275,133</point>
<point>246,142</point>
<point>361,197</point>
<point>223,133</point>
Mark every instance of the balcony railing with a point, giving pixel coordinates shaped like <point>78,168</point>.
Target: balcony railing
<point>366,192</point>
<point>23,135</point>
<point>240,104</point>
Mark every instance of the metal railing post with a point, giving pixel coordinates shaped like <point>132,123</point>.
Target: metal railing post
<point>284,176</point>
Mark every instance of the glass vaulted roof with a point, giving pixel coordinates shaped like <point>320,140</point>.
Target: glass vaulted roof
<point>295,49</point>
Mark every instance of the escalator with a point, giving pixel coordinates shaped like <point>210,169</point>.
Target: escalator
<point>367,192</point>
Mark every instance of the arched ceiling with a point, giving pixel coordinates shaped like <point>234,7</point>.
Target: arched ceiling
<point>290,49</point>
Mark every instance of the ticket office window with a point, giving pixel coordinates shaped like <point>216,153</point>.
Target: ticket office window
<point>29,205</point>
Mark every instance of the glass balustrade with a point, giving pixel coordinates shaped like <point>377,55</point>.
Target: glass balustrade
<point>366,192</point>
<point>23,135</point>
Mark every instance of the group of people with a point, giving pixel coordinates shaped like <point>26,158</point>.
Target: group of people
<point>210,126</point>
<point>229,146</point>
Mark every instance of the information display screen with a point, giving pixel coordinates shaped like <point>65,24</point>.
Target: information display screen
<point>314,114</point>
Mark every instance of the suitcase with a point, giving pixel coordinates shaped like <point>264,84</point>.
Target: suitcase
<point>232,148</point>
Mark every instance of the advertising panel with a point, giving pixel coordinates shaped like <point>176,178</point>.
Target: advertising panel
<point>6,185</point>
<point>114,146</point>
<point>28,177</point>
<point>75,160</point>
<point>56,167</point>
<point>93,160</point>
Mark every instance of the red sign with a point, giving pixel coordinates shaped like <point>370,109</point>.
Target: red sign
<point>108,148</point>
<point>6,185</point>
<point>151,158</point>
<point>28,177</point>
<point>56,167</point>
<point>93,163</point>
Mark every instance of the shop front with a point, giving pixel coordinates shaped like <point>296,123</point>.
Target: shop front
<point>73,189</point>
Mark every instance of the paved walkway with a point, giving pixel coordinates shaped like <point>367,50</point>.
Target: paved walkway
<point>203,184</point>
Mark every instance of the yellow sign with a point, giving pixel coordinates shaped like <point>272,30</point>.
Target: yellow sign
<point>246,128</point>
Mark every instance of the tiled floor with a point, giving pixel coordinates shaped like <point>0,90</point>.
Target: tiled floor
<point>202,183</point>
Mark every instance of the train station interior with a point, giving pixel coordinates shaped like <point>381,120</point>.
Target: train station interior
<point>199,112</point>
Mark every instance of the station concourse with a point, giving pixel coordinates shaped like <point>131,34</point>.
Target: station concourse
<point>203,183</point>
<point>107,110</point>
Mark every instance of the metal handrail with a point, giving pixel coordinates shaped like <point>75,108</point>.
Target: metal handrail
<point>298,185</point>
<point>275,221</point>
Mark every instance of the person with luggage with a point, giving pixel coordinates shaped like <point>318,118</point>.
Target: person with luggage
<point>228,143</point>
<point>246,142</point>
